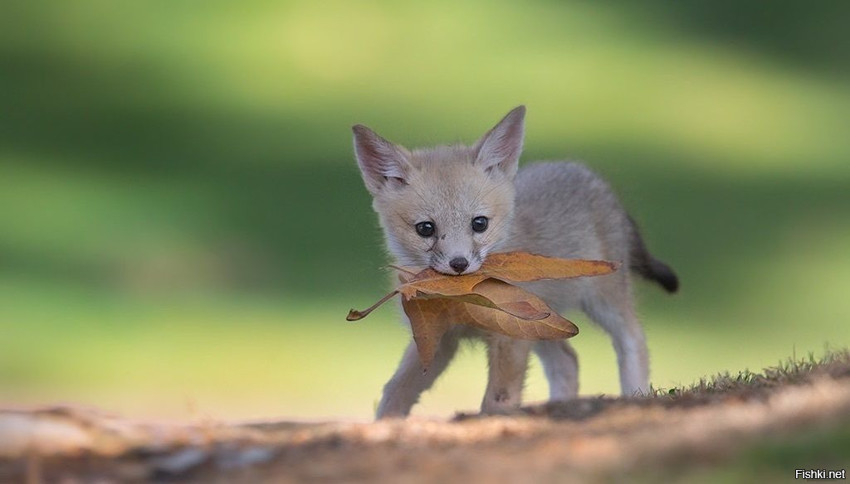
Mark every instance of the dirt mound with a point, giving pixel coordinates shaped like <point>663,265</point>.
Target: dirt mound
<point>669,434</point>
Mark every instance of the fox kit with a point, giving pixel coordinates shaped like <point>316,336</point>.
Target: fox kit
<point>448,207</point>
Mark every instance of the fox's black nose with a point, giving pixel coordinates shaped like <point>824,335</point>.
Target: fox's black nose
<point>459,264</point>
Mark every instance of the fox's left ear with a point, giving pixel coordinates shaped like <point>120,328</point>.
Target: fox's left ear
<point>500,148</point>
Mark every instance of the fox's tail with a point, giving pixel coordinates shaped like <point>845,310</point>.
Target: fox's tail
<point>649,267</point>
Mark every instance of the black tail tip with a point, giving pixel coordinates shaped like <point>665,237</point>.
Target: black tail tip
<point>670,283</point>
<point>664,276</point>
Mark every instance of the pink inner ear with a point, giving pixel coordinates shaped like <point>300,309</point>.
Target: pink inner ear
<point>380,161</point>
<point>502,145</point>
<point>390,167</point>
<point>395,181</point>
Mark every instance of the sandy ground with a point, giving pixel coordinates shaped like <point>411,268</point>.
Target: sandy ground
<point>590,439</point>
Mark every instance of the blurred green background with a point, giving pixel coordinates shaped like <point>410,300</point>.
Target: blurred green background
<point>183,227</point>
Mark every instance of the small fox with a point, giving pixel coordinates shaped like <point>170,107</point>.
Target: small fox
<point>448,207</point>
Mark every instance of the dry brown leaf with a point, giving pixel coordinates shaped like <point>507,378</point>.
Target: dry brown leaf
<point>517,308</point>
<point>509,267</point>
<point>524,267</point>
<point>485,299</point>
<point>430,318</point>
<point>429,321</point>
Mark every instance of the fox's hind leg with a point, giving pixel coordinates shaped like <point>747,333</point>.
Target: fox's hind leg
<point>410,380</point>
<point>612,309</point>
<point>560,364</point>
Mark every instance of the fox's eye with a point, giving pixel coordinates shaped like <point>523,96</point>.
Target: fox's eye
<point>425,229</point>
<point>479,224</point>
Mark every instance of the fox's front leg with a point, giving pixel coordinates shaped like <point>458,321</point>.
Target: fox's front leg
<point>508,361</point>
<point>410,379</point>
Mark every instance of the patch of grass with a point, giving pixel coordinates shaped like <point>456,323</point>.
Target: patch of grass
<point>834,363</point>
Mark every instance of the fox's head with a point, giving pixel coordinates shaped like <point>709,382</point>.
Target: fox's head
<point>445,207</point>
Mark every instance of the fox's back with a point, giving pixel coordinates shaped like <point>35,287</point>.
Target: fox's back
<point>563,209</point>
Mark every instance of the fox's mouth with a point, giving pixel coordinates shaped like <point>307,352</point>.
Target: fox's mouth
<point>452,273</point>
<point>452,270</point>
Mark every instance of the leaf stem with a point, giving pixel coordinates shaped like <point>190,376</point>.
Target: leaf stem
<point>355,315</point>
<point>401,269</point>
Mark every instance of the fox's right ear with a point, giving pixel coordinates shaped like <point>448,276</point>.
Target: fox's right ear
<point>381,162</point>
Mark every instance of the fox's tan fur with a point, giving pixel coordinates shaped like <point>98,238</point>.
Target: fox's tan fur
<point>557,209</point>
